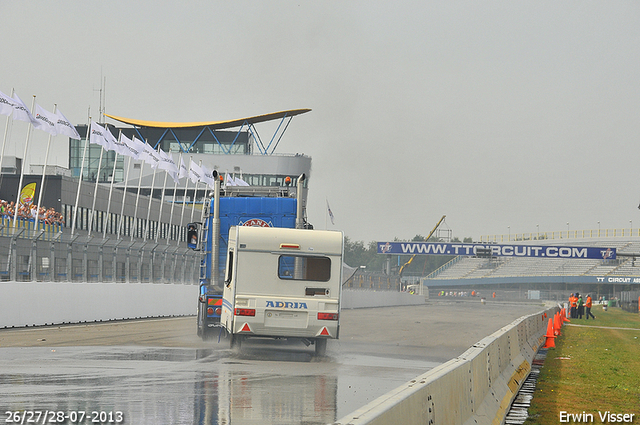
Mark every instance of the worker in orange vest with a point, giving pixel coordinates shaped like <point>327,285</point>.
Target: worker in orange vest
<point>573,302</point>
<point>587,306</point>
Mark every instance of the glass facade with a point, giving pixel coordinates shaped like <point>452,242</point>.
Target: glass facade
<point>187,140</point>
<point>92,160</point>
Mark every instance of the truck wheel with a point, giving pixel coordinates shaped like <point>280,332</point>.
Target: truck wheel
<point>235,342</point>
<point>321,347</point>
<point>206,334</point>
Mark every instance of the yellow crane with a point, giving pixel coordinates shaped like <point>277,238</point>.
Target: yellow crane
<point>414,255</point>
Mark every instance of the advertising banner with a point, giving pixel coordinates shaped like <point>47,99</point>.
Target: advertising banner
<point>495,250</point>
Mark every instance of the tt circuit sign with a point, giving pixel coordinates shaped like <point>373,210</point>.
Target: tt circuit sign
<point>491,250</point>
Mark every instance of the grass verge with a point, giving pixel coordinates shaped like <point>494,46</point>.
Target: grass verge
<point>594,368</point>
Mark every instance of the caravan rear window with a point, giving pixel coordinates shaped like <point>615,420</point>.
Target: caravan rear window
<point>301,267</point>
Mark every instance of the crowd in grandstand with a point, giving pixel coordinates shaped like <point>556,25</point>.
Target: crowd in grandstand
<point>29,212</point>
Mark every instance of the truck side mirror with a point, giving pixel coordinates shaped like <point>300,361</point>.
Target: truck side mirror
<point>192,236</point>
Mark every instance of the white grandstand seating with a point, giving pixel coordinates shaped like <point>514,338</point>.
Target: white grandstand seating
<point>462,268</point>
<point>469,267</point>
<point>629,268</point>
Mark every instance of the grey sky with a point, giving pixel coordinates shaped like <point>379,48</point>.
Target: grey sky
<point>501,115</point>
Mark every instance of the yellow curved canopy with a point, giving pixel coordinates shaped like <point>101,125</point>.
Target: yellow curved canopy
<point>213,124</point>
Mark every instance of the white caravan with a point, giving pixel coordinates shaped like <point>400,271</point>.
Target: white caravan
<point>283,283</point>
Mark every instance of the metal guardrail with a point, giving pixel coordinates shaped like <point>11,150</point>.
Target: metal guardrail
<point>562,234</point>
<point>376,281</point>
<point>630,301</point>
<point>7,227</point>
<point>30,253</point>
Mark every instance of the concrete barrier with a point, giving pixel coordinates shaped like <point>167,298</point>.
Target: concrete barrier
<point>46,303</point>
<point>31,304</point>
<point>474,388</point>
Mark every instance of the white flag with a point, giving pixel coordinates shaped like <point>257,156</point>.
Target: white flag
<point>119,144</point>
<point>113,142</point>
<point>134,148</point>
<point>207,177</point>
<point>6,104</point>
<point>184,171</point>
<point>240,182</point>
<point>45,120</point>
<point>330,212</point>
<point>98,136</point>
<point>195,172</point>
<point>150,156</point>
<point>168,164</point>
<point>229,181</point>
<point>20,111</point>
<point>65,127</point>
<point>144,150</point>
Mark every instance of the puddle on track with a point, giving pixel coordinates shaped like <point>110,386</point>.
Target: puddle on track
<point>262,383</point>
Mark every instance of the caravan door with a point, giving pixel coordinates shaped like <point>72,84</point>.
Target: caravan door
<point>229,284</point>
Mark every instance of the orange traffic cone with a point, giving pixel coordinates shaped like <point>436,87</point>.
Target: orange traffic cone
<point>557,324</point>
<point>550,343</point>
<point>564,316</point>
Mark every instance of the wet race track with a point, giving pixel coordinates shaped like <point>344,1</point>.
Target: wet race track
<point>157,371</point>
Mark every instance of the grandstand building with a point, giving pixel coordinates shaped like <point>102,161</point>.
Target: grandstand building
<point>233,148</point>
<point>560,276</point>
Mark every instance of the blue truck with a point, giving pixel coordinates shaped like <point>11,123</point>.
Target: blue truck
<point>251,206</point>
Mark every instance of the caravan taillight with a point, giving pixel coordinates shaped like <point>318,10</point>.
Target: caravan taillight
<point>245,312</point>
<point>289,246</point>
<point>327,316</point>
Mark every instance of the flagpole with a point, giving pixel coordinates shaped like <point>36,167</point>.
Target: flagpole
<point>175,188</point>
<point>203,203</point>
<point>164,186</point>
<point>124,196</point>
<point>4,139</point>
<point>193,204</point>
<point>195,194</point>
<point>95,192</point>
<point>113,177</point>
<point>146,224</point>
<point>184,198</point>
<point>135,212</point>
<point>24,161</point>
<point>84,155</point>
<point>44,170</point>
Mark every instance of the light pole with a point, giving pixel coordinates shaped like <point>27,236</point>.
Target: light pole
<point>598,228</point>
<point>630,227</point>
<point>567,230</point>
<point>509,227</point>
<point>538,230</point>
